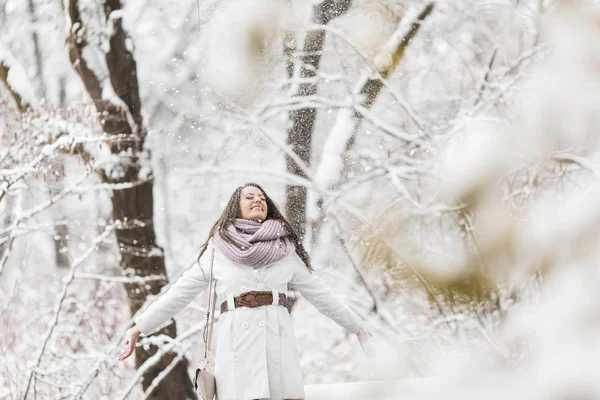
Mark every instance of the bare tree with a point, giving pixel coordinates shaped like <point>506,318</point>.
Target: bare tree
<point>132,205</point>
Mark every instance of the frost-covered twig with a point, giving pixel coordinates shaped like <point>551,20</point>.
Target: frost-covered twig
<point>153,360</point>
<point>384,126</point>
<point>85,384</point>
<point>45,152</point>
<point>58,307</point>
<point>25,215</point>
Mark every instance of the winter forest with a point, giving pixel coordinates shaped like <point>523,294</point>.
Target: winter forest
<point>438,159</point>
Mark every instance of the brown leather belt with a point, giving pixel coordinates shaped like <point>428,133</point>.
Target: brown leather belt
<point>253,299</point>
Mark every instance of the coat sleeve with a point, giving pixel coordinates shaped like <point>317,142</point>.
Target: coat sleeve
<point>314,289</point>
<point>181,293</point>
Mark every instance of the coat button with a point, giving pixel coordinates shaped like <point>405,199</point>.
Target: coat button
<point>246,325</point>
<point>260,286</point>
<point>261,323</point>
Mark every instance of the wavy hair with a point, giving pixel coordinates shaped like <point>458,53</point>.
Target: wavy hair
<point>232,211</point>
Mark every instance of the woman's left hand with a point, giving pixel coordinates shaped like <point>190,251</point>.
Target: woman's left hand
<point>363,338</point>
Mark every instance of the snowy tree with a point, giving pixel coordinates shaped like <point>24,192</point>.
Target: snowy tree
<point>102,57</point>
<point>440,157</point>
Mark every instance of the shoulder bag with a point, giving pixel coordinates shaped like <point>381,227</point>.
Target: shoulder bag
<point>204,379</point>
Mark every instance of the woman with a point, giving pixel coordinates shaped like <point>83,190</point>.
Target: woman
<point>257,251</point>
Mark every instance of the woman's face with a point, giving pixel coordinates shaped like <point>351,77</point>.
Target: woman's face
<point>252,204</point>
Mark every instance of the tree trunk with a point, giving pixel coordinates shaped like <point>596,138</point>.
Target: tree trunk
<point>133,205</point>
<point>303,120</point>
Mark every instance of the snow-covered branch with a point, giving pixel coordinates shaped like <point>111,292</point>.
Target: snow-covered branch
<point>58,306</point>
<point>347,122</point>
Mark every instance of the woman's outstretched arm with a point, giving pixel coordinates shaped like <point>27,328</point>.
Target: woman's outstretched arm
<point>315,290</point>
<point>181,293</point>
<point>184,290</point>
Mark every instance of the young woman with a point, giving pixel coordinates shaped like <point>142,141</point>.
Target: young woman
<point>257,254</point>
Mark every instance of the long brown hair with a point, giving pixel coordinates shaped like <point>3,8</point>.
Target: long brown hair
<point>232,211</point>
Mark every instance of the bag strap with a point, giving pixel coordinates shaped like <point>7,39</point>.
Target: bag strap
<point>210,309</point>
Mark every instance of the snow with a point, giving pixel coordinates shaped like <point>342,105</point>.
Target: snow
<point>95,59</point>
<point>331,165</point>
<point>464,173</point>
<point>108,94</point>
<point>380,390</point>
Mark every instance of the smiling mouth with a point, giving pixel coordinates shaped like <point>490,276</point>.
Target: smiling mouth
<point>257,208</point>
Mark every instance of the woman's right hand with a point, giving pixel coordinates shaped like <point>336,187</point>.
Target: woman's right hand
<point>363,335</point>
<point>132,335</point>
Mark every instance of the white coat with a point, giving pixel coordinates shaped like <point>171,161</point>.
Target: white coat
<point>256,355</point>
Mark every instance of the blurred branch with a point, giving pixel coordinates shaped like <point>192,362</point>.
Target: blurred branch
<point>409,261</point>
<point>374,70</point>
<point>334,168</point>
<point>578,160</point>
<point>389,58</point>
<point>342,134</point>
<point>486,77</point>
<point>377,307</point>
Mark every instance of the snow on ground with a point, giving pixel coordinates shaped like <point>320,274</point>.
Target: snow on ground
<point>380,390</point>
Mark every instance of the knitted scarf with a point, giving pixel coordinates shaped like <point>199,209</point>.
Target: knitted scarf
<point>261,243</point>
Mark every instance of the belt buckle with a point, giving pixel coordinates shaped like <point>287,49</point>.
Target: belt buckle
<point>247,299</point>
